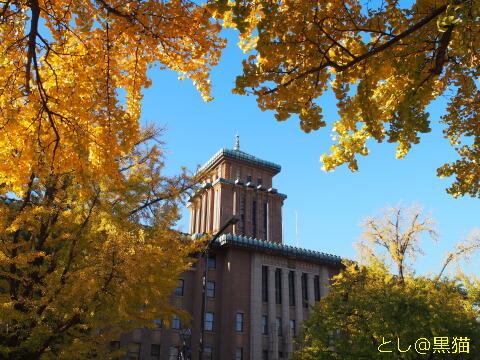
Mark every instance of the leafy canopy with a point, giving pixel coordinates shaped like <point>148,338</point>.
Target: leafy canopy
<point>72,74</point>
<point>82,263</point>
<point>368,305</point>
<point>384,63</point>
<point>87,248</point>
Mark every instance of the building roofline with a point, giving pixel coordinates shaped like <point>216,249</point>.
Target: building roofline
<point>242,156</point>
<point>278,249</point>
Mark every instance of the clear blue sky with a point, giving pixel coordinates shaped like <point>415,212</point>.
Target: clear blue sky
<point>330,206</point>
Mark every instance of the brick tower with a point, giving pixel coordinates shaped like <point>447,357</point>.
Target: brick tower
<point>238,184</point>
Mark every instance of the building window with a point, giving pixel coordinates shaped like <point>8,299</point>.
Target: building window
<point>173,353</point>
<point>209,321</point>
<point>278,325</point>
<point>114,345</point>
<point>239,322</point>
<point>249,178</point>
<point>264,324</point>
<point>264,283</point>
<point>304,290</point>
<point>259,181</point>
<point>291,288</point>
<point>211,289</point>
<point>207,353</point>
<point>176,322</point>
<point>254,218</point>
<point>316,287</point>
<point>212,261</point>
<point>265,355</point>
<point>155,352</point>
<point>179,288</point>
<point>280,354</point>
<point>239,354</point>
<point>158,322</point>
<point>278,286</point>
<point>265,221</point>
<point>134,351</point>
<point>293,327</point>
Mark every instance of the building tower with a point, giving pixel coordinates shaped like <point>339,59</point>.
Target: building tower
<point>238,184</point>
<point>258,290</point>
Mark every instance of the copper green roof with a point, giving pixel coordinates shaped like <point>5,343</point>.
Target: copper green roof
<point>240,155</point>
<point>278,249</point>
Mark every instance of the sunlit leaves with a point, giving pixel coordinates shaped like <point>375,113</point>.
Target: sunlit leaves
<point>384,63</point>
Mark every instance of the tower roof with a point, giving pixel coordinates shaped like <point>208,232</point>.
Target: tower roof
<point>242,156</point>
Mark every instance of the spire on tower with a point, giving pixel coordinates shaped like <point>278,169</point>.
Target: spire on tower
<point>237,143</point>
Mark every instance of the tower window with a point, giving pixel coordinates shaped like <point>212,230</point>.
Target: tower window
<point>254,218</point>
<point>265,221</point>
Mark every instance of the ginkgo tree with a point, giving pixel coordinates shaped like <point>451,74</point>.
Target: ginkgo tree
<point>385,61</point>
<point>87,246</point>
<point>378,308</point>
<point>81,263</point>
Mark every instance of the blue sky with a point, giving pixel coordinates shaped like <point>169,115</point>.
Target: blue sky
<point>330,206</point>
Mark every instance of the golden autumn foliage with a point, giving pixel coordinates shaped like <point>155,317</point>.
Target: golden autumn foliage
<point>72,73</point>
<point>384,62</point>
<point>82,262</point>
<point>382,301</point>
<point>87,246</point>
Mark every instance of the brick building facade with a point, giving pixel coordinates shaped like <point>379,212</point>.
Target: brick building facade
<point>259,290</point>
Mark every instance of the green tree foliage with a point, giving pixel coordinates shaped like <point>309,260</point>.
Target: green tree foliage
<point>384,62</point>
<point>369,306</point>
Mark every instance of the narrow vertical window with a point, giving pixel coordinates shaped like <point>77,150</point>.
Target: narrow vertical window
<point>278,325</point>
<point>316,287</point>
<point>239,354</point>
<point>254,219</point>
<point>265,221</point>
<point>264,324</point>
<point>179,288</point>
<point>304,290</point>
<point>211,289</point>
<point>134,351</point>
<point>209,316</point>
<point>155,352</point>
<point>265,355</point>
<point>176,322</point>
<point>293,327</point>
<point>239,322</point>
<point>264,283</point>
<point>291,288</point>
<point>212,261</point>
<point>207,353</point>
<point>173,353</point>
<point>278,286</point>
